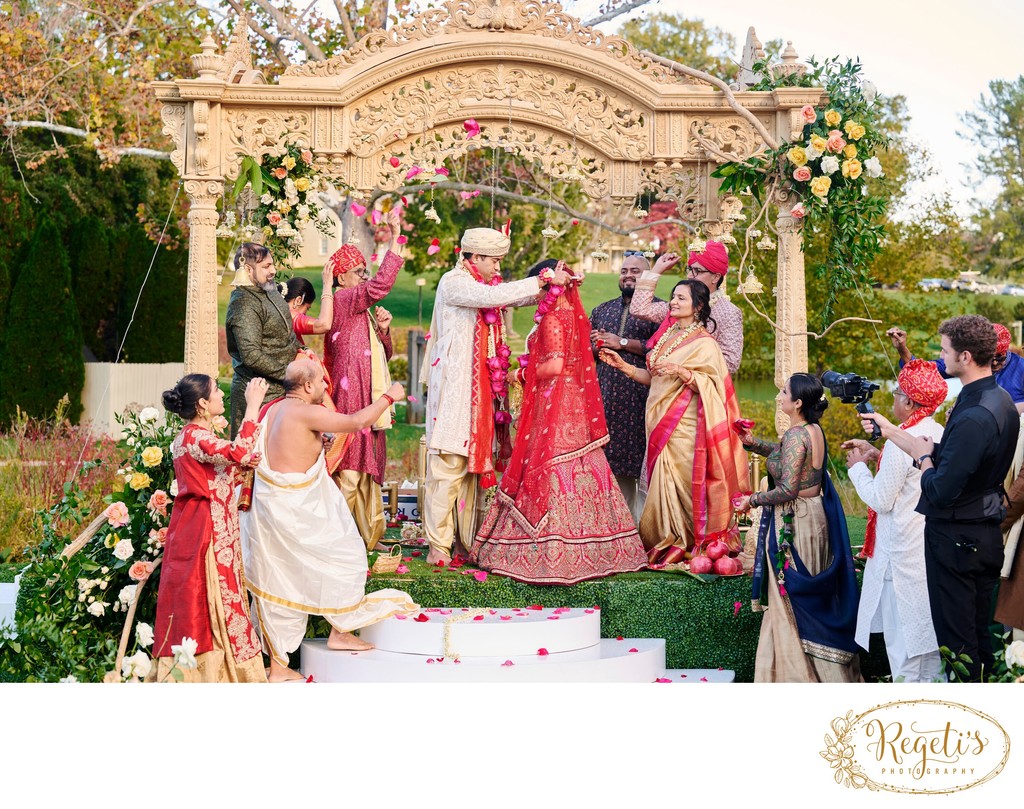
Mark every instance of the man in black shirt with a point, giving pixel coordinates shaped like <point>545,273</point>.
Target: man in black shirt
<point>962,492</point>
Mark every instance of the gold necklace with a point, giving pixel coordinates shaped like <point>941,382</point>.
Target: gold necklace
<point>690,330</point>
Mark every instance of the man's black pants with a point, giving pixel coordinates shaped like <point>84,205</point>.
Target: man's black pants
<point>963,561</point>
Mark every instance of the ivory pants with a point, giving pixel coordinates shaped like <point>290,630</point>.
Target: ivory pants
<point>451,502</point>
<point>362,493</point>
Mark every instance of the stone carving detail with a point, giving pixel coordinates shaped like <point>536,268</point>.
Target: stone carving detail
<point>730,137</point>
<point>535,17</point>
<point>259,132</point>
<point>594,114</point>
<point>200,125</point>
<point>173,116</point>
<point>677,181</point>
<point>201,311</point>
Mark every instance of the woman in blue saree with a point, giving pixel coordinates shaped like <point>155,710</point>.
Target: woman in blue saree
<point>803,572</point>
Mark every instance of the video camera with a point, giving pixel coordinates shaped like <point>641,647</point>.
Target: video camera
<point>852,389</point>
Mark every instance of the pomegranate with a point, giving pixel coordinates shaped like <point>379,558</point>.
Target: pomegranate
<point>728,566</point>
<point>701,564</point>
<point>716,549</point>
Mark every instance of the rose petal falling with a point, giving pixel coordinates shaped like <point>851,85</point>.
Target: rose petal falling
<point>357,209</point>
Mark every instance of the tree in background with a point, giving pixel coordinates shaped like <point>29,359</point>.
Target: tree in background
<point>996,135</point>
<point>42,356</point>
<point>688,41</point>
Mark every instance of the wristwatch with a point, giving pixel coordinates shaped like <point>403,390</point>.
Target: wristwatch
<point>623,342</point>
<point>922,459</point>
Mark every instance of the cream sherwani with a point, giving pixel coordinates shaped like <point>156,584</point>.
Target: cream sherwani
<point>450,491</point>
<point>303,556</point>
<point>894,597</point>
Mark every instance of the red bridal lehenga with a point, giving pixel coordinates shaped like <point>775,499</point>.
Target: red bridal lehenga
<point>558,516</point>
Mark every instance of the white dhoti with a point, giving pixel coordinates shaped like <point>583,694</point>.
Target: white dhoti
<point>304,556</point>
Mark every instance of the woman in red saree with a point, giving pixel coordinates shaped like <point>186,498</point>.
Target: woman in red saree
<point>695,462</point>
<point>202,592</point>
<point>558,516</point>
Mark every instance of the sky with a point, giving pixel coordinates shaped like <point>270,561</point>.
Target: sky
<point>941,55</point>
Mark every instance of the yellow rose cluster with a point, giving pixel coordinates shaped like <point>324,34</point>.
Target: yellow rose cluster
<point>152,456</point>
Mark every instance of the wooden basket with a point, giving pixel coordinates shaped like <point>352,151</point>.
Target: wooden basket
<point>388,563</point>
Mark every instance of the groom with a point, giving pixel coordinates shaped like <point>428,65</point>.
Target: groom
<point>462,366</point>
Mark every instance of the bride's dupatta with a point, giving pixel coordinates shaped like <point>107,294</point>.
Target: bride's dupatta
<point>552,426</point>
<point>719,462</point>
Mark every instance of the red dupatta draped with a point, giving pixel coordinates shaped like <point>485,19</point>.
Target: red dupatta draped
<point>562,415</point>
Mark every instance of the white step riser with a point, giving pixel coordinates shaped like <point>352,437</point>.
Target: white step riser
<point>608,662</point>
<point>504,632</point>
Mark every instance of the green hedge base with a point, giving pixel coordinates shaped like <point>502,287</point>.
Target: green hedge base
<point>697,616</point>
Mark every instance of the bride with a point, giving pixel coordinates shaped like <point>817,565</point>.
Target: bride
<point>558,516</point>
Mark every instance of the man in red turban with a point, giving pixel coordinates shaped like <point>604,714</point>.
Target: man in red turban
<point>1007,365</point>
<point>356,352</point>
<point>894,596</point>
<point>709,266</point>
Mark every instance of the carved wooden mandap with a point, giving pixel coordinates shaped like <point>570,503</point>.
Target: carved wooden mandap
<point>587,106</point>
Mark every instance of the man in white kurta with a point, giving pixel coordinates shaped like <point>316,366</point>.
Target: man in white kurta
<point>302,552</point>
<point>451,490</point>
<point>894,598</point>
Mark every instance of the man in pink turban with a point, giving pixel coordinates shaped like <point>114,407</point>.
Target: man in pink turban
<point>356,352</point>
<point>894,596</point>
<point>1007,365</point>
<point>709,266</point>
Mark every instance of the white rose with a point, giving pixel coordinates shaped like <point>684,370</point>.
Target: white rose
<point>127,594</point>
<point>266,199</point>
<point>829,165</point>
<point>81,598</point>
<point>138,665</point>
<point>302,212</point>
<point>812,153</point>
<point>869,91</point>
<point>71,678</point>
<point>130,441</point>
<point>185,653</point>
<point>873,167</point>
<point>97,608</point>
<point>123,550</point>
<point>148,415</point>
<point>173,491</point>
<point>104,570</point>
<point>144,634</point>
<point>289,187</point>
<point>1015,654</point>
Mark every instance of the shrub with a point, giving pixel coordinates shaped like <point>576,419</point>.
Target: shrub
<point>42,357</point>
<point>96,284</point>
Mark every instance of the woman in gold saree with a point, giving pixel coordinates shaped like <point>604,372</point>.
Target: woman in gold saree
<point>695,462</point>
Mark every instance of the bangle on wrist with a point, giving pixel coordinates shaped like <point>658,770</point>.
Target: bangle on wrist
<point>389,399</point>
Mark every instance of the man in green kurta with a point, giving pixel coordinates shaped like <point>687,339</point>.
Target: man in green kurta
<point>261,340</point>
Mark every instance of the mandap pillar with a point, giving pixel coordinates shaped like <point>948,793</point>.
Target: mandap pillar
<point>791,302</point>
<point>201,337</point>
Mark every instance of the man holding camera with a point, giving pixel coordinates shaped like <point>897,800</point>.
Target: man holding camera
<point>962,492</point>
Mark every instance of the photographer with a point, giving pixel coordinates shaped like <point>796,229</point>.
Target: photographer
<point>961,491</point>
<point>894,596</point>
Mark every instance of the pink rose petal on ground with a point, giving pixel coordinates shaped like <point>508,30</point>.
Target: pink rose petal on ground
<point>682,676</point>
<point>480,575</point>
<point>401,569</point>
<point>492,612</point>
<point>413,172</point>
<point>505,617</point>
<point>478,617</point>
<point>703,679</point>
<point>542,652</point>
<point>589,612</point>
<point>439,659</point>
<point>417,553</point>
<point>395,162</point>
<point>508,663</point>
<point>552,617</point>
<point>535,607</point>
<point>663,680</point>
<point>633,650</point>
<point>401,617</point>
<point>560,610</point>
<point>721,669</point>
<point>736,607</point>
<point>430,660</point>
<point>456,661</point>
<point>357,209</point>
<point>402,239</point>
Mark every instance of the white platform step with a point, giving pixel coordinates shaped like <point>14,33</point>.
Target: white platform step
<point>501,633</point>
<point>8,600</point>
<point>631,660</point>
<point>698,676</point>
